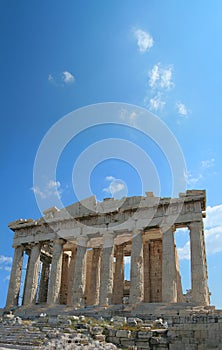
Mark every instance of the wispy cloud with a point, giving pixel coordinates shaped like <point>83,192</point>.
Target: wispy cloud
<point>156,102</point>
<point>64,78</point>
<point>144,40</point>
<point>50,78</point>
<point>182,109</point>
<point>51,188</point>
<point>117,188</point>
<point>208,163</point>
<point>184,252</point>
<point>193,178</point>
<point>109,178</point>
<point>5,263</point>
<point>161,77</point>
<point>204,170</point>
<point>213,233</point>
<point>131,117</point>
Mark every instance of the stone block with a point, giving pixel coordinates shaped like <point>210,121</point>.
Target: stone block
<point>96,330</point>
<point>144,335</point>
<point>127,342</point>
<point>212,343</point>
<point>132,321</point>
<point>119,320</point>
<point>177,346</point>
<point>112,332</point>
<point>142,345</point>
<point>100,337</point>
<point>123,334</point>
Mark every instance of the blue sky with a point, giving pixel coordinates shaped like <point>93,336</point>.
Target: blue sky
<point>164,56</point>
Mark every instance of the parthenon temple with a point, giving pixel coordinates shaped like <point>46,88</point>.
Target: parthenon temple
<point>77,255</point>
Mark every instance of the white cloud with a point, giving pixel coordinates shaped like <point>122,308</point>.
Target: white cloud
<point>154,76</point>
<point>182,109</point>
<point>109,178</point>
<point>5,263</point>
<point>5,259</point>
<point>131,118</point>
<point>208,163</point>
<point>156,103</point>
<point>184,252</point>
<point>214,216</point>
<point>67,77</point>
<point>7,278</point>
<point>192,179</point>
<point>117,188</point>
<point>161,77</point>
<point>144,40</point>
<point>50,77</point>
<point>213,233</point>
<point>51,188</point>
<point>127,260</point>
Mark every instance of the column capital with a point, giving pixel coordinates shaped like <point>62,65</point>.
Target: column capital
<point>59,240</point>
<point>34,244</point>
<point>82,241</point>
<point>195,224</point>
<point>166,228</point>
<point>136,232</point>
<point>14,246</point>
<point>108,239</point>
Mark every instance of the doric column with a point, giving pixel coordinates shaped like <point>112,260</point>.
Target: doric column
<point>80,273</point>
<point>64,279</point>
<point>15,278</point>
<point>71,276</point>
<point>32,275</point>
<point>106,277</point>
<point>200,293</point>
<point>118,284</point>
<point>88,275</point>
<point>44,281</point>
<point>169,273</point>
<point>136,273</point>
<point>56,272</point>
<point>146,266</point>
<point>95,277</point>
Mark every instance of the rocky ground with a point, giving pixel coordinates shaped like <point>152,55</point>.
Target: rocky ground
<point>70,332</point>
<point>198,331</point>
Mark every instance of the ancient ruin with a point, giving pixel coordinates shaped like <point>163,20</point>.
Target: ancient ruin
<point>76,255</point>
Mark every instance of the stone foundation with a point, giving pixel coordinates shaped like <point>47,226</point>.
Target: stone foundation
<point>200,331</point>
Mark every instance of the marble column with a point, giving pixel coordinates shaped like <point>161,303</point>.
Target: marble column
<point>15,278</point>
<point>44,281</point>
<point>169,273</point>
<point>64,279</point>
<point>56,272</point>
<point>79,282</point>
<point>106,276</point>
<point>31,284</point>
<point>71,276</point>
<point>146,266</point>
<point>95,277</point>
<point>136,273</point>
<point>118,283</point>
<point>200,292</point>
<point>89,256</point>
